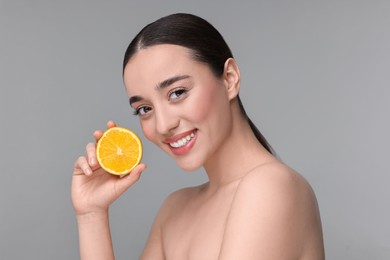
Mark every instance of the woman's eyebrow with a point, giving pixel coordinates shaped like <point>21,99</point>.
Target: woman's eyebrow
<point>170,81</point>
<point>134,99</point>
<point>159,86</point>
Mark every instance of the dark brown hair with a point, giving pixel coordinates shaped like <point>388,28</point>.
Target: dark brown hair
<point>196,34</point>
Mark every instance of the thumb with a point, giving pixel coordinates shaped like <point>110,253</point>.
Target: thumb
<point>127,181</point>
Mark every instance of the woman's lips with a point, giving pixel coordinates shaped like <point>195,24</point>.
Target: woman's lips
<point>182,143</point>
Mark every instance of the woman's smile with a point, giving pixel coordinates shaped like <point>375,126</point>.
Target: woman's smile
<point>182,106</point>
<point>182,143</point>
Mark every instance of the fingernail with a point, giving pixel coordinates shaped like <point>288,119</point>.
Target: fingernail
<point>88,171</point>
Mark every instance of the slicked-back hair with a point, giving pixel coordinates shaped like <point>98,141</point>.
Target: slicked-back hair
<point>203,40</point>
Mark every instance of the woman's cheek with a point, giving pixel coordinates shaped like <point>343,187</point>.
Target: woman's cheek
<point>147,130</point>
<point>201,111</point>
<point>205,105</point>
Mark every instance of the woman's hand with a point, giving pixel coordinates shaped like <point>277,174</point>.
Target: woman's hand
<point>93,189</point>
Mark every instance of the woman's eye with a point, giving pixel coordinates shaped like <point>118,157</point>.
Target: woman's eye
<point>142,110</point>
<point>176,94</point>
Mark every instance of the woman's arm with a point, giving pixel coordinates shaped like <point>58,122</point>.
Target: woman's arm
<point>94,237</point>
<point>93,191</point>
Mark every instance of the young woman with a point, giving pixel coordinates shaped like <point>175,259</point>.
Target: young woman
<point>183,84</point>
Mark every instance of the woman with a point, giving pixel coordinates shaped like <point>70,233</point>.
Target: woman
<point>183,83</point>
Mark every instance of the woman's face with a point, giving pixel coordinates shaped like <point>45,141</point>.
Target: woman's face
<point>183,108</point>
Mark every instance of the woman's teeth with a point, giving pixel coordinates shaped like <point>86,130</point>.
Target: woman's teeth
<point>182,141</point>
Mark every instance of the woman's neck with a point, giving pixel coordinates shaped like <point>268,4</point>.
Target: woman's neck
<point>240,153</point>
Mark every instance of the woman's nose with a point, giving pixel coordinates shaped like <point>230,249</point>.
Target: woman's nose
<point>166,121</point>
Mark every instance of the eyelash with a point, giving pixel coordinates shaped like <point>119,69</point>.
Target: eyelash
<point>179,92</point>
<point>137,111</point>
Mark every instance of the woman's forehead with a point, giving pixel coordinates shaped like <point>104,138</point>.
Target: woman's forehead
<point>157,63</point>
<point>159,54</point>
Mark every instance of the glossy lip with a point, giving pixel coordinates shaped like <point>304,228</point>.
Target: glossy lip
<point>184,149</point>
<point>177,137</point>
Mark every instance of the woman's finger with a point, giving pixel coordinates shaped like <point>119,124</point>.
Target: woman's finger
<point>128,180</point>
<point>82,166</point>
<point>97,134</point>
<point>91,154</point>
<point>110,124</point>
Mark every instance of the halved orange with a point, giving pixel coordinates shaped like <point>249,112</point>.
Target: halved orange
<point>119,150</point>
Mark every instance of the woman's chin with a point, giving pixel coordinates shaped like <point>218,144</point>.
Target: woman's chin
<point>188,167</point>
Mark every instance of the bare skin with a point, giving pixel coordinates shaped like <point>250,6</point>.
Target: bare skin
<point>252,207</point>
<point>263,211</point>
<point>196,223</point>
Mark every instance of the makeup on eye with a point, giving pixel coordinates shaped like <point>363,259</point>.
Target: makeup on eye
<point>165,84</point>
<point>173,95</point>
<point>177,93</point>
<point>141,111</point>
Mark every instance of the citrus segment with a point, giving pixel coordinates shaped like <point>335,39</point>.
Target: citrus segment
<point>119,150</point>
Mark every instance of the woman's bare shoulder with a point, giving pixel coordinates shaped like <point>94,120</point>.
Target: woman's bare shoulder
<point>275,207</point>
<point>276,184</point>
<point>275,175</point>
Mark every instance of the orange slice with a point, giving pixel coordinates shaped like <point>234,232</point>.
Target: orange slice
<point>119,150</point>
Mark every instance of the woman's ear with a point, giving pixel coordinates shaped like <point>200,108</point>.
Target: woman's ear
<point>231,77</point>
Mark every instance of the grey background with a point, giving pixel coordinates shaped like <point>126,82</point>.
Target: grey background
<point>315,80</point>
